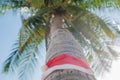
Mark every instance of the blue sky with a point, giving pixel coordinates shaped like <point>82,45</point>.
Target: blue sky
<point>9,27</point>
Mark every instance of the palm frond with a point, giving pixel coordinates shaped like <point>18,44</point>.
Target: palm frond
<point>87,19</point>
<point>113,25</point>
<point>6,5</point>
<point>93,34</point>
<point>24,62</point>
<point>35,3</point>
<point>101,61</point>
<point>27,37</point>
<point>15,4</point>
<point>106,29</point>
<point>31,36</point>
<point>114,53</point>
<point>14,56</point>
<point>100,4</point>
<point>85,4</point>
<point>28,61</point>
<point>33,28</point>
<point>23,58</point>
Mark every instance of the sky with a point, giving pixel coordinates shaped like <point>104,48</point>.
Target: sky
<point>9,27</point>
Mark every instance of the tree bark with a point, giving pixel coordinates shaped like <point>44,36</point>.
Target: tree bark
<point>62,41</point>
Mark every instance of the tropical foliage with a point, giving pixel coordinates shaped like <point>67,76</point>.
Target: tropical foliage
<point>94,33</point>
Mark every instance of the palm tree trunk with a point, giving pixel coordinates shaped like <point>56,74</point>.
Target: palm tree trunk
<point>62,41</point>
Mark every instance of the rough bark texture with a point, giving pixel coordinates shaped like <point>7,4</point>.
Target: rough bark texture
<point>69,75</point>
<point>62,41</point>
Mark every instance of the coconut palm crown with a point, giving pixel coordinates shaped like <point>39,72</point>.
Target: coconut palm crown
<point>91,31</point>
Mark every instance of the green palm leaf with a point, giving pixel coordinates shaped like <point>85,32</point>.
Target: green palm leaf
<point>31,35</point>
<point>33,29</point>
<point>84,18</point>
<point>87,27</point>
<point>10,61</point>
<point>90,30</point>
<point>25,61</point>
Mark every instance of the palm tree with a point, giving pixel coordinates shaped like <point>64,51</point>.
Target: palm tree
<point>70,30</point>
